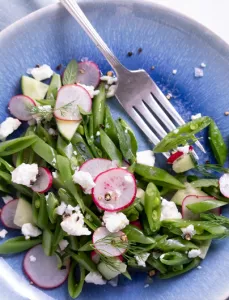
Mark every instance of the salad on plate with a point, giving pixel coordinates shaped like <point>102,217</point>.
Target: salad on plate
<point>84,200</point>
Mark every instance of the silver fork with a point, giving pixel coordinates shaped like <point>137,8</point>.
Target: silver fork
<point>136,91</point>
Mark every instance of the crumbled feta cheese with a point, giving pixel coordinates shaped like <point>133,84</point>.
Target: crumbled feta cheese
<point>63,244</point>
<point>146,285</point>
<point>176,131</point>
<point>32,122</point>
<point>189,230</point>
<point>28,230</point>
<point>85,180</point>
<point>114,281</point>
<point>141,259</point>
<point>111,91</point>
<point>184,149</point>
<point>74,152</point>
<point>198,72</point>
<point>146,158</point>
<point>7,199</point>
<point>52,132</point>
<point>3,233</point>
<point>194,253</point>
<point>110,80</point>
<point>174,72</point>
<point>54,174</point>
<point>41,73</point>
<point>32,258</point>
<point>25,174</point>
<point>96,278</point>
<point>115,222</point>
<point>199,267</point>
<point>197,116</point>
<point>90,89</point>
<point>97,133</point>
<point>169,210</point>
<point>60,210</point>
<point>70,209</point>
<point>74,225</point>
<point>8,126</point>
<point>203,65</point>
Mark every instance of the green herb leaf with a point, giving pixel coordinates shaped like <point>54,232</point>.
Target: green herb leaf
<point>70,73</point>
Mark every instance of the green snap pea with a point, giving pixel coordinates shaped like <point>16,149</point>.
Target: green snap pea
<point>42,217</point>
<point>6,165</point>
<point>217,143</point>
<point>80,129</point>
<point>73,242</point>
<point>110,148</point>
<point>98,107</point>
<point>144,221</point>
<point>87,246</point>
<point>55,84</point>
<point>61,146</point>
<point>75,288</point>
<point>136,235</point>
<point>133,140</point>
<point>174,244</point>
<point>157,264</point>
<point>50,102</point>
<point>59,234</point>
<point>109,126</point>
<point>90,224</point>
<point>193,264</point>
<point>16,145</point>
<point>65,197</point>
<point>81,147</point>
<point>4,188</point>
<point>35,207</point>
<point>174,258</point>
<point>91,141</point>
<point>206,205</point>
<point>52,203</point>
<point>205,183</point>
<point>45,136</point>
<point>18,244</point>
<point>47,239</point>
<point>158,176</point>
<point>214,192</point>
<point>84,260</point>
<point>183,135</point>
<point>153,206</point>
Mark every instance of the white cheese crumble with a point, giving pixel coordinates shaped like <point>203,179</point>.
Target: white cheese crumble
<point>188,230</point>
<point>52,132</point>
<point>203,65</point>
<point>111,91</point>
<point>194,253</point>
<point>54,174</point>
<point>28,230</point>
<point>70,209</point>
<point>60,210</point>
<point>41,73</point>
<point>141,259</point>
<point>96,278</point>
<point>169,210</point>
<point>7,199</point>
<point>197,116</point>
<point>63,244</point>
<point>174,72</point>
<point>146,285</point>
<point>3,233</point>
<point>176,131</point>
<point>44,112</point>
<point>199,267</point>
<point>115,222</point>
<point>8,126</point>
<point>146,158</point>
<point>25,174</point>
<point>85,180</point>
<point>74,225</point>
<point>114,281</point>
<point>184,149</point>
<point>97,133</point>
<point>90,89</point>
<point>110,80</point>
<point>198,72</point>
<point>32,258</point>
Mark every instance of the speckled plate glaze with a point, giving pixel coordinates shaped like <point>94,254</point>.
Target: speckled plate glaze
<point>169,41</point>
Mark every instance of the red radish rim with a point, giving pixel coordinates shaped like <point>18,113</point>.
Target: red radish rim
<point>34,282</point>
<point>5,207</point>
<point>121,249</point>
<point>173,157</point>
<point>115,209</point>
<point>49,174</point>
<point>137,224</point>
<point>21,95</point>
<point>95,255</point>
<point>97,67</point>
<point>67,85</point>
<point>183,204</point>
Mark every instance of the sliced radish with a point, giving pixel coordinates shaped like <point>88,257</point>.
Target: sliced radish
<point>44,181</point>
<point>115,189</point>
<point>96,166</point>
<point>136,224</point>
<point>186,213</point>
<point>88,73</point>
<point>69,99</point>
<point>176,155</point>
<point>95,257</point>
<point>8,214</point>
<point>224,185</point>
<point>20,106</point>
<point>44,272</point>
<point>102,240</point>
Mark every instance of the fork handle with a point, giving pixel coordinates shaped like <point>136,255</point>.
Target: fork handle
<point>74,9</point>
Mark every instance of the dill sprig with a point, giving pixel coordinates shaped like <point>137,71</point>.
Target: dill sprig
<point>207,169</point>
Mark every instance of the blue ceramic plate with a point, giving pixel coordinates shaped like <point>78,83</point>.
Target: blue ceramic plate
<point>169,41</point>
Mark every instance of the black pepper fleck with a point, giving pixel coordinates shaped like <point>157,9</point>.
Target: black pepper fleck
<point>130,53</point>
<point>140,50</point>
<point>58,68</point>
<point>37,66</point>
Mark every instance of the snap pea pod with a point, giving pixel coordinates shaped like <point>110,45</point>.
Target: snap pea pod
<point>65,197</point>
<point>6,165</point>
<point>125,144</point>
<point>214,192</point>
<point>164,191</point>
<point>146,228</point>
<point>205,183</point>
<point>83,259</point>
<point>45,136</point>
<point>87,246</point>
<point>18,244</point>
<point>91,142</point>
<point>98,107</point>
<point>73,242</point>
<point>132,213</point>
<point>109,126</point>
<point>133,140</point>
<point>158,176</point>
<point>193,264</point>
<point>59,234</point>
<point>136,235</point>
<point>133,266</point>
<point>42,217</point>
<point>4,188</point>
<point>153,206</point>
<point>47,239</point>
<point>61,146</point>
<point>50,102</point>
<point>157,264</point>
<point>183,135</point>
<point>174,258</point>
<point>16,145</point>
<point>51,204</point>
<point>81,147</point>
<point>204,206</point>
<point>55,84</point>
<point>80,129</point>
<point>66,177</point>
<point>217,143</point>
<point>174,244</point>
<point>92,226</point>
<point>75,288</point>
<point>110,148</point>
